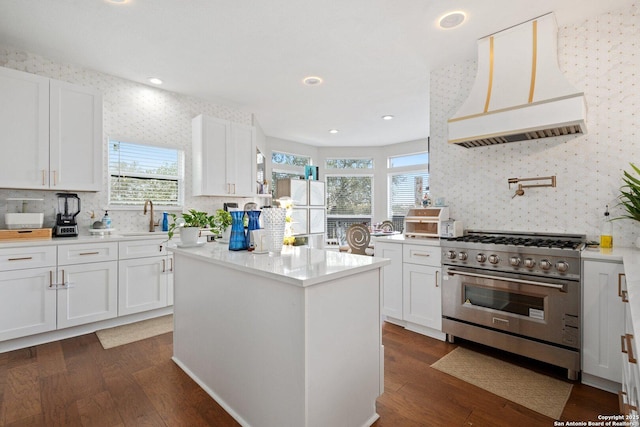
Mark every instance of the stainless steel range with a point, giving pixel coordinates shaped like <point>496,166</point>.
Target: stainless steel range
<point>519,292</point>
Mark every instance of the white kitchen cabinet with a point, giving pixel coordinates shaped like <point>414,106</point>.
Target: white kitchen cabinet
<point>628,395</point>
<point>297,189</point>
<point>224,158</point>
<point>75,140</point>
<point>51,133</point>
<point>411,286</point>
<point>316,193</point>
<point>421,280</point>
<point>602,322</point>
<point>317,220</point>
<point>145,276</point>
<point>87,293</point>
<point>27,291</point>
<point>391,280</point>
<point>87,278</point>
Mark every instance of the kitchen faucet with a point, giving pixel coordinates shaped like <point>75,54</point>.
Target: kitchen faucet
<point>152,225</point>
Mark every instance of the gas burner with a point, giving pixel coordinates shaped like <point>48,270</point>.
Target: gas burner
<point>538,254</point>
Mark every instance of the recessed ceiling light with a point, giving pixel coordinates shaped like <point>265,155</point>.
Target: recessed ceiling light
<point>312,80</point>
<point>155,80</point>
<point>117,1</point>
<point>387,117</point>
<point>452,19</point>
<point>333,130</point>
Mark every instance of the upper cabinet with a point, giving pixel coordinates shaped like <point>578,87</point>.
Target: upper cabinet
<point>224,158</point>
<point>51,133</point>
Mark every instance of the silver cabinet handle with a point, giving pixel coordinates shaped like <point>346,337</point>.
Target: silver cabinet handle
<point>164,270</point>
<point>437,271</point>
<point>24,258</point>
<point>420,254</point>
<point>89,253</point>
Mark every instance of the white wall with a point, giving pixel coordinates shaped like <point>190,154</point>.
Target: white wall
<point>135,113</point>
<point>600,57</point>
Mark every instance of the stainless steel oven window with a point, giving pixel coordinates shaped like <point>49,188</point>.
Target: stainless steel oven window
<point>509,302</point>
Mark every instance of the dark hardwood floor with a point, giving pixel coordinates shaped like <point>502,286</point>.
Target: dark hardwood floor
<point>75,382</point>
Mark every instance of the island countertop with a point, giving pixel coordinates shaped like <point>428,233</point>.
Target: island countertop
<point>296,265</point>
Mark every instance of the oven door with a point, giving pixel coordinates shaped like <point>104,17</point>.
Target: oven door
<point>539,308</point>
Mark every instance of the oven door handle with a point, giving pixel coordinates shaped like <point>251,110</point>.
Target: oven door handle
<point>452,272</point>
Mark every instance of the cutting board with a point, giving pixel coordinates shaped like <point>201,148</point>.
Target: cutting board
<point>26,234</point>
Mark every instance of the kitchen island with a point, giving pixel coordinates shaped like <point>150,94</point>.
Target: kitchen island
<point>287,340</point>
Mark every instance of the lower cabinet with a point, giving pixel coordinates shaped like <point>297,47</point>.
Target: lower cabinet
<point>27,302</point>
<point>411,293</point>
<point>422,296</point>
<point>603,323</point>
<point>87,283</point>
<point>145,277</point>
<point>87,293</point>
<point>628,395</point>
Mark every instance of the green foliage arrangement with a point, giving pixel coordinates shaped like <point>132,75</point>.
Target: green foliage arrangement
<point>222,220</point>
<point>193,218</point>
<point>630,194</point>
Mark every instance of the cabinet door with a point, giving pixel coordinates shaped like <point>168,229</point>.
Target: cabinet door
<point>422,295</point>
<point>209,144</point>
<point>241,160</point>
<point>316,193</point>
<point>89,293</point>
<point>27,302</point>
<point>391,278</point>
<point>75,137</point>
<point>299,220</point>
<point>317,220</point>
<point>142,285</point>
<point>24,121</point>
<point>602,319</point>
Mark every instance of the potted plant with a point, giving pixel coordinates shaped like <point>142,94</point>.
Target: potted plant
<point>223,222</point>
<point>190,225</point>
<point>630,196</point>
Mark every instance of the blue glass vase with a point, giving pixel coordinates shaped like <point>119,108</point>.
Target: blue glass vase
<point>238,239</point>
<point>254,224</point>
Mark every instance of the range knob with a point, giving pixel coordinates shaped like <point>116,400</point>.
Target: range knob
<point>462,256</point>
<point>515,261</point>
<point>529,263</point>
<point>562,266</point>
<point>450,254</point>
<point>545,264</point>
<point>493,259</point>
<point>481,258</point>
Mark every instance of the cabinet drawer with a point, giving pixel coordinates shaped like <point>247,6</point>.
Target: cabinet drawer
<point>419,254</point>
<point>28,257</point>
<point>142,248</point>
<point>87,252</point>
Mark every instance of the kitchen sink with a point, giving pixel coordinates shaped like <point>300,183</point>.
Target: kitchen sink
<point>143,234</point>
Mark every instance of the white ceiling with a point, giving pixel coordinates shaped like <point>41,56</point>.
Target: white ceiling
<point>374,55</point>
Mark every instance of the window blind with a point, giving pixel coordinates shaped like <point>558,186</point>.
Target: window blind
<point>402,189</point>
<point>143,172</point>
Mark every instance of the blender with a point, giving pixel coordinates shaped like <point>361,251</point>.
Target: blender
<point>68,209</point>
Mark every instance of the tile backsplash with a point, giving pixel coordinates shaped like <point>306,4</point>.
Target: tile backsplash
<point>598,56</point>
<point>133,112</point>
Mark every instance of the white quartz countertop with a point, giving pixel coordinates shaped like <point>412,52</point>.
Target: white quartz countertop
<point>84,238</point>
<point>298,265</point>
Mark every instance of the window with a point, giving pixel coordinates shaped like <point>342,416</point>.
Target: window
<point>408,179</point>
<point>140,172</point>
<point>286,165</point>
<point>349,195</point>
<point>349,163</point>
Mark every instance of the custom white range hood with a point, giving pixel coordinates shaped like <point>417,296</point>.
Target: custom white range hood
<point>519,92</point>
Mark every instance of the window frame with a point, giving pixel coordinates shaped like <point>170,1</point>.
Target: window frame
<point>113,205</point>
<point>421,168</point>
